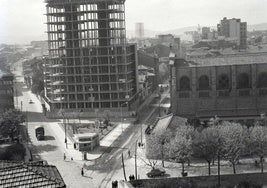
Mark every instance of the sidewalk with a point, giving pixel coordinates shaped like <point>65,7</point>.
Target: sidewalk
<point>105,142</point>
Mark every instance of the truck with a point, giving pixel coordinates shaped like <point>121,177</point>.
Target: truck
<point>39,132</point>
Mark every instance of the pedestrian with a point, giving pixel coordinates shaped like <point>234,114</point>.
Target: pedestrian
<point>82,172</point>
<point>129,153</point>
<point>64,156</point>
<point>71,158</point>
<point>115,183</point>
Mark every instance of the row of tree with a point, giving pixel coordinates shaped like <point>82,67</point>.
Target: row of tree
<point>224,140</point>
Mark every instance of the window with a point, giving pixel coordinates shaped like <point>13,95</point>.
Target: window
<point>262,80</point>
<point>223,82</point>
<point>243,81</point>
<point>184,83</point>
<point>203,83</point>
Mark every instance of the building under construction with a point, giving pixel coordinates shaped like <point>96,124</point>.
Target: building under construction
<point>90,65</point>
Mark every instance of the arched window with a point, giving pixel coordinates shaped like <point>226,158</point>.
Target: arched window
<point>203,83</point>
<point>223,82</point>
<point>243,81</point>
<point>184,83</point>
<point>262,80</point>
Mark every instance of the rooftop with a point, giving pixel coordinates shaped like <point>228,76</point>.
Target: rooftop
<point>169,121</point>
<point>32,174</point>
<point>85,135</point>
<point>3,74</point>
<point>80,1</point>
<point>234,59</point>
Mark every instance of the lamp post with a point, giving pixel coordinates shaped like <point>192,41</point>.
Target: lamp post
<point>159,103</point>
<point>121,114</point>
<point>65,127</point>
<point>126,97</point>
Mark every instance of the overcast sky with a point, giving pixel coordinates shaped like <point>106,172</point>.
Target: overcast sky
<point>23,20</point>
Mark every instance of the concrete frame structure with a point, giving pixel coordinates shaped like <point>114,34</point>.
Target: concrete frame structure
<point>90,65</point>
<point>234,90</point>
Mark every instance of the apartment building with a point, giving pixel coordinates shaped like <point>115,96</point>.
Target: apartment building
<point>6,91</point>
<point>234,29</point>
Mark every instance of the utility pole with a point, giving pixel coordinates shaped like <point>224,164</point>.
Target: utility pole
<point>219,170</point>
<point>135,162</point>
<point>141,134</point>
<point>159,103</point>
<point>123,167</point>
<point>162,152</point>
<point>27,132</point>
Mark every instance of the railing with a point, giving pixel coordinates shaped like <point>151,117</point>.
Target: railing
<point>263,92</point>
<point>243,92</point>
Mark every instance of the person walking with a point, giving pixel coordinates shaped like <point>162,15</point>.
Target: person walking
<point>64,156</point>
<point>82,172</point>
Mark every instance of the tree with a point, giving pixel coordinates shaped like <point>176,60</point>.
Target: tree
<point>258,142</point>
<point>10,122</point>
<point>157,143</point>
<point>205,144</point>
<point>232,135</point>
<point>180,148</point>
<point>150,162</point>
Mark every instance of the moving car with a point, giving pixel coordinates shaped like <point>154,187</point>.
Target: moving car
<point>156,172</point>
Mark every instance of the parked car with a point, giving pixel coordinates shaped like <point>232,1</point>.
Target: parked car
<point>30,101</point>
<point>156,172</point>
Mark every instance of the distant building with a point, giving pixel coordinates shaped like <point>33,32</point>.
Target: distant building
<point>150,61</point>
<point>234,29</point>
<point>229,86</point>
<point>139,30</point>
<point>205,32</point>
<point>32,174</point>
<point>6,91</point>
<point>146,77</point>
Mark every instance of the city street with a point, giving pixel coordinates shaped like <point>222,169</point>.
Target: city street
<point>98,173</point>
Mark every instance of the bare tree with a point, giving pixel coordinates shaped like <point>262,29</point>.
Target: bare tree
<point>181,147</point>
<point>205,144</point>
<point>150,162</point>
<point>233,139</point>
<point>258,141</point>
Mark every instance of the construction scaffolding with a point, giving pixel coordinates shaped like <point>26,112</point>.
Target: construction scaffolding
<point>90,65</point>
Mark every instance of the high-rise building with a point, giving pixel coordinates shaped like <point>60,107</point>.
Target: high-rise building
<point>139,30</point>
<point>234,29</point>
<point>90,65</point>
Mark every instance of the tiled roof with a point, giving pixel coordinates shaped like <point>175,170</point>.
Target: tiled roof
<point>34,174</point>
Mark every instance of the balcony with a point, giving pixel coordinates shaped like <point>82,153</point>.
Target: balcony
<point>263,92</point>
<point>185,94</point>
<point>204,94</point>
